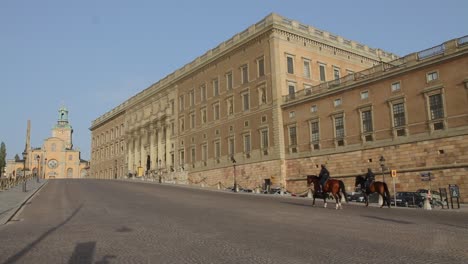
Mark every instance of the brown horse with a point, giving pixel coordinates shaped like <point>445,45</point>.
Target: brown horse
<point>376,186</point>
<point>335,187</point>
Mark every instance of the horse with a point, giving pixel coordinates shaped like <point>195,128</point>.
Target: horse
<point>335,187</point>
<point>376,186</point>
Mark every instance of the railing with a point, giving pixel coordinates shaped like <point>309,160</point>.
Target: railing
<point>463,40</point>
<point>431,52</point>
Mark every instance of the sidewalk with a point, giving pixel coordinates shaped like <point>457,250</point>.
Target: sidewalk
<point>12,199</point>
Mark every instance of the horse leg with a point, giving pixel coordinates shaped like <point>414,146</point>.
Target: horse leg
<point>366,197</point>
<point>338,200</point>
<point>324,201</point>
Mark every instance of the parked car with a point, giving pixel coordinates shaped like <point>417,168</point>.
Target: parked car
<point>408,199</point>
<point>356,197</point>
<point>434,194</point>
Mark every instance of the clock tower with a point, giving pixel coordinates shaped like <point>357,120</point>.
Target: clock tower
<point>63,129</point>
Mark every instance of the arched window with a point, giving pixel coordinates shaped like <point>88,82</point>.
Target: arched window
<point>69,173</point>
<point>53,147</point>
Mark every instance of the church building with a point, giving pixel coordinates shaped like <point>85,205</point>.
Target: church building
<point>56,158</point>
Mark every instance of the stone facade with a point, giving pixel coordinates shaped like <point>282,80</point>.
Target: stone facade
<point>253,100</point>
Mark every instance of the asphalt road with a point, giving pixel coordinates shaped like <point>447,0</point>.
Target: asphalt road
<point>97,221</point>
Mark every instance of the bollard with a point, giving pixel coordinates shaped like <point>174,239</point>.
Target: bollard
<point>203,185</point>
<point>380,200</point>
<point>219,186</point>
<point>309,194</point>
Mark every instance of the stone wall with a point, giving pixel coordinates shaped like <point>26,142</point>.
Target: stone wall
<point>445,158</point>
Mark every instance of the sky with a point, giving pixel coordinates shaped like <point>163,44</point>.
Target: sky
<point>92,55</point>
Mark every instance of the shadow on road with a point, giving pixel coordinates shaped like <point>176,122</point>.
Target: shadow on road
<point>388,219</point>
<point>24,251</point>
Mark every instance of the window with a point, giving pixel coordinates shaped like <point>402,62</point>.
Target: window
<point>308,89</point>
<point>314,131</point>
<point>231,146</point>
<point>436,106</point>
<point>432,76</point>
<point>339,127</point>
<point>203,115</point>
<point>192,154</point>
<point>293,139</point>
<point>313,109</point>
<point>396,87</point>
<point>245,101</point>
<point>245,74</point>
<point>292,114</point>
<point>70,157</point>
<point>204,153</point>
<point>337,102</point>
<point>229,84</point>
<point>262,95</point>
<point>215,87</point>
<point>364,95</point>
<point>264,140</point>
<point>290,64</point>
<point>399,119</point>
<point>247,143</point>
<point>192,120</point>
<point>261,67</point>
<point>291,90</point>
<point>217,150</point>
<point>182,125</point>
<point>216,111</point>
<point>230,106</point>
<point>182,158</point>
<point>307,69</point>
<point>366,121</point>
<point>181,102</point>
<point>192,98</point>
<point>336,73</point>
<point>203,93</point>
<point>322,72</point>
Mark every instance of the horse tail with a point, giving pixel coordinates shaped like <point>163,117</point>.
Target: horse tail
<point>343,190</point>
<point>387,194</point>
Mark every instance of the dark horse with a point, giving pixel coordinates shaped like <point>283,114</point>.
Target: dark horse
<point>376,186</point>
<point>335,187</point>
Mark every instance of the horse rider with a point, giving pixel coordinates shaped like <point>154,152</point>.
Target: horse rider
<point>369,179</point>
<point>323,175</point>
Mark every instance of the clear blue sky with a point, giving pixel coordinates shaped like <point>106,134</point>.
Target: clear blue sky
<point>91,55</point>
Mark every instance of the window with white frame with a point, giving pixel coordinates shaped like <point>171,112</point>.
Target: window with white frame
<point>336,73</point>
<point>216,111</point>
<point>337,102</point>
<point>203,93</point>
<point>436,106</point>
<point>215,84</point>
<point>308,89</point>
<point>192,98</point>
<point>245,101</point>
<point>193,157</point>
<point>432,76</point>
<point>203,115</point>
<point>217,150</point>
<point>181,102</point>
<point>229,84</point>
<point>192,120</point>
<point>291,90</point>
<point>313,109</point>
<point>182,158</point>
<point>322,73</point>
<point>396,87</point>
<point>398,110</point>
<point>290,64</point>
<point>261,67</point>
<point>364,95</point>
<point>230,106</point>
<point>293,139</point>
<point>264,140</point>
<point>366,117</point>
<point>247,143</point>
<point>204,153</point>
<point>307,73</point>
<point>315,134</point>
<point>339,127</point>
<point>244,74</point>
<point>231,146</point>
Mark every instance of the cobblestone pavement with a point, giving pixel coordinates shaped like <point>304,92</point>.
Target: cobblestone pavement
<point>98,221</point>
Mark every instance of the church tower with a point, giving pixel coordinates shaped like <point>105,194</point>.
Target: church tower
<point>63,129</point>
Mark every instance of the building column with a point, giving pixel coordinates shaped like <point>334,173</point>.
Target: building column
<point>152,150</point>
<point>130,157</point>
<point>137,154</point>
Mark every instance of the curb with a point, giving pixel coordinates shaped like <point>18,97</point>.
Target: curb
<point>16,209</point>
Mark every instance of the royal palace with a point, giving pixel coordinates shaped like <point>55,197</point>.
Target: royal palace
<point>274,102</point>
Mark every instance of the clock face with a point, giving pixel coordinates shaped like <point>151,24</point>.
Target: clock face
<point>52,164</point>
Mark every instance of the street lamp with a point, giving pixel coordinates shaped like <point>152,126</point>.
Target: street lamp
<point>159,169</point>
<point>38,171</point>
<point>115,171</point>
<point>382,165</point>
<point>24,170</point>
<point>45,167</point>
<point>234,168</point>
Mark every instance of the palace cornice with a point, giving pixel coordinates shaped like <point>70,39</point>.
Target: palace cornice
<point>254,31</point>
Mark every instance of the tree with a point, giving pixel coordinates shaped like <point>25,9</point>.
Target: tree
<point>2,158</point>
<point>17,158</point>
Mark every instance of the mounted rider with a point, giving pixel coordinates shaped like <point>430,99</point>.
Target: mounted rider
<point>323,175</point>
<point>370,177</point>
